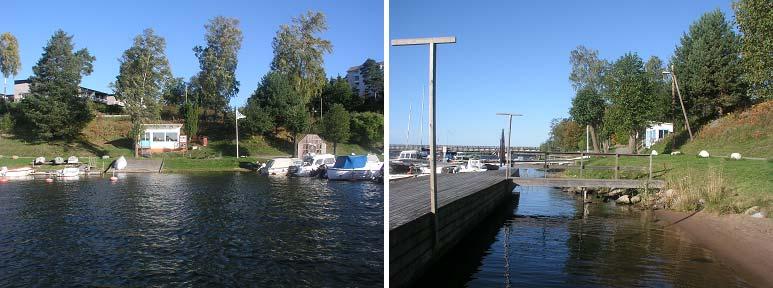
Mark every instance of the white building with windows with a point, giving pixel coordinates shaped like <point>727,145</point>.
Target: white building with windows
<point>657,131</point>
<point>21,88</point>
<point>162,138</point>
<point>354,77</point>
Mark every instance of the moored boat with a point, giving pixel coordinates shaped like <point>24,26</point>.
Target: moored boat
<point>313,165</point>
<point>68,172</point>
<point>19,172</point>
<point>279,166</point>
<point>355,167</point>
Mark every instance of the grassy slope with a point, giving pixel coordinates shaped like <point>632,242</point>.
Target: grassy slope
<point>746,182</point>
<point>749,132</point>
<point>107,136</point>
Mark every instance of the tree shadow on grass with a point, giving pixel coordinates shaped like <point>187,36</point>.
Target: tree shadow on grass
<point>122,143</point>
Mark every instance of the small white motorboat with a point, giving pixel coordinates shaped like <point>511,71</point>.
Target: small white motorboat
<point>279,166</point>
<point>68,172</point>
<point>72,160</point>
<point>19,172</point>
<point>312,164</point>
<point>355,167</point>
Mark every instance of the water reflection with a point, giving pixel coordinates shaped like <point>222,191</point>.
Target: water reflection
<point>227,229</point>
<point>553,239</point>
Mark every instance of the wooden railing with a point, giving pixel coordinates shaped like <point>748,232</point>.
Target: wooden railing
<point>545,158</point>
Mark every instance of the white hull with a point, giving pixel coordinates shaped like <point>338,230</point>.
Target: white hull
<point>68,172</point>
<point>351,174</point>
<point>16,173</point>
<point>274,172</point>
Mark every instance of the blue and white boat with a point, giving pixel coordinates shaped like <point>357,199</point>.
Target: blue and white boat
<point>355,167</point>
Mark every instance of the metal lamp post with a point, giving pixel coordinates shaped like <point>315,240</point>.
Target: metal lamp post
<point>432,43</point>
<point>509,159</point>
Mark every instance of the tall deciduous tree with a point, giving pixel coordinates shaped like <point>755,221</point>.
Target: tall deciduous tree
<point>755,20</point>
<point>10,62</point>
<point>299,54</point>
<point>338,91</point>
<point>708,66</point>
<point>631,92</point>
<point>336,126</point>
<point>588,110</point>
<point>587,69</point>
<point>144,73</point>
<point>54,109</point>
<point>587,78</point>
<point>216,81</point>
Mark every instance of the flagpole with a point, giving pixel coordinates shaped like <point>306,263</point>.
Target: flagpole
<point>237,132</point>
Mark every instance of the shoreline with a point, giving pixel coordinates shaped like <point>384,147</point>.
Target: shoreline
<point>743,242</point>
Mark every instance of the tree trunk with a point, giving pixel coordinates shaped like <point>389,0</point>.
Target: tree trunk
<point>594,139</point>
<point>335,145</point>
<point>136,147</point>
<point>632,144</point>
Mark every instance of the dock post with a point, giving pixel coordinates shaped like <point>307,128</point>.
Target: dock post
<point>649,179</point>
<point>582,167</point>
<point>617,164</point>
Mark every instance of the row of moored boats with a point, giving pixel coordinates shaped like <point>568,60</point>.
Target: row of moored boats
<point>349,167</point>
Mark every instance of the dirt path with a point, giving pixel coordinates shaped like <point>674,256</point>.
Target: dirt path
<point>743,242</point>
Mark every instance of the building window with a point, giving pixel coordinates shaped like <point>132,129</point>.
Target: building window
<point>356,78</point>
<point>146,136</point>
<point>171,136</point>
<point>158,136</point>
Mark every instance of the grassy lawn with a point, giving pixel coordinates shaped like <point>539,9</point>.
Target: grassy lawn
<point>743,183</point>
<point>182,164</point>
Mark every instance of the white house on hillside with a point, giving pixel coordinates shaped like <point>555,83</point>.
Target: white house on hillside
<point>162,138</point>
<point>657,131</point>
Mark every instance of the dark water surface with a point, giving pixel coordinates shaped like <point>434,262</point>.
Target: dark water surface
<point>551,239</point>
<point>232,229</point>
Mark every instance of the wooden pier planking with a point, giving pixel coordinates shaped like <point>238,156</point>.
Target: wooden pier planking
<point>409,198</point>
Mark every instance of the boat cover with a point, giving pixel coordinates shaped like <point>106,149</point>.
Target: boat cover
<point>351,162</point>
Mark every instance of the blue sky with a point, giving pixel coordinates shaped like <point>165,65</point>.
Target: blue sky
<point>106,28</point>
<point>513,56</point>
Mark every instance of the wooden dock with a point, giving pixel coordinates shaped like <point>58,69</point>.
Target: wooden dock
<point>417,237</point>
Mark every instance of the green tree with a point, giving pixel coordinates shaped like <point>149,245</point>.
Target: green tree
<point>662,105</point>
<point>367,128</point>
<point>144,73</point>
<point>631,92</point>
<point>175,92</point>
<point>755,21</point>
<point>258,119</point>
<point>565,135</point>
<point>587,79</point>
<point>216,82</point>
<point>10,62</point>
<point>708,66</point>
<point>338,91</point>
<point>587,69</point>
<point>588,110</point>
<point>54,109</point>
<point>276,97</point>
<point>373,78</point>
<point>336,126</point>
<point>299,54</point>
<point>296,122</point>
<point>192,112</point>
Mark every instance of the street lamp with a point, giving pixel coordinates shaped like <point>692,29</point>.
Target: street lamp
<point>432,43</point>
<point>509,133</point>
<point>675,83</point>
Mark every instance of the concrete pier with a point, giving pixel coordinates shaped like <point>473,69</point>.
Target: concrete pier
<point>464,200</point>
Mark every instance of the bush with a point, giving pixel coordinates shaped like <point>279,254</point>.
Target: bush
<point>367,129</point>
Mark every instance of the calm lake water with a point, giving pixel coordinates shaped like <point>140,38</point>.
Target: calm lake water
<point>222,229</point>
<point>551,239</point>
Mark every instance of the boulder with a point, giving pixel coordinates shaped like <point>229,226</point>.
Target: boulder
<point>758,215</point>
<point>669,193</point>
<point>616,191</point>
<point>752,210</point>
<point>623,200</point>
<point>14,157</point>
<point>105,157</point>
<point>736,156</point>
<point>654,153</point>
<point>704,154</point>
<point>676,153</point>
<point>635,199</point>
